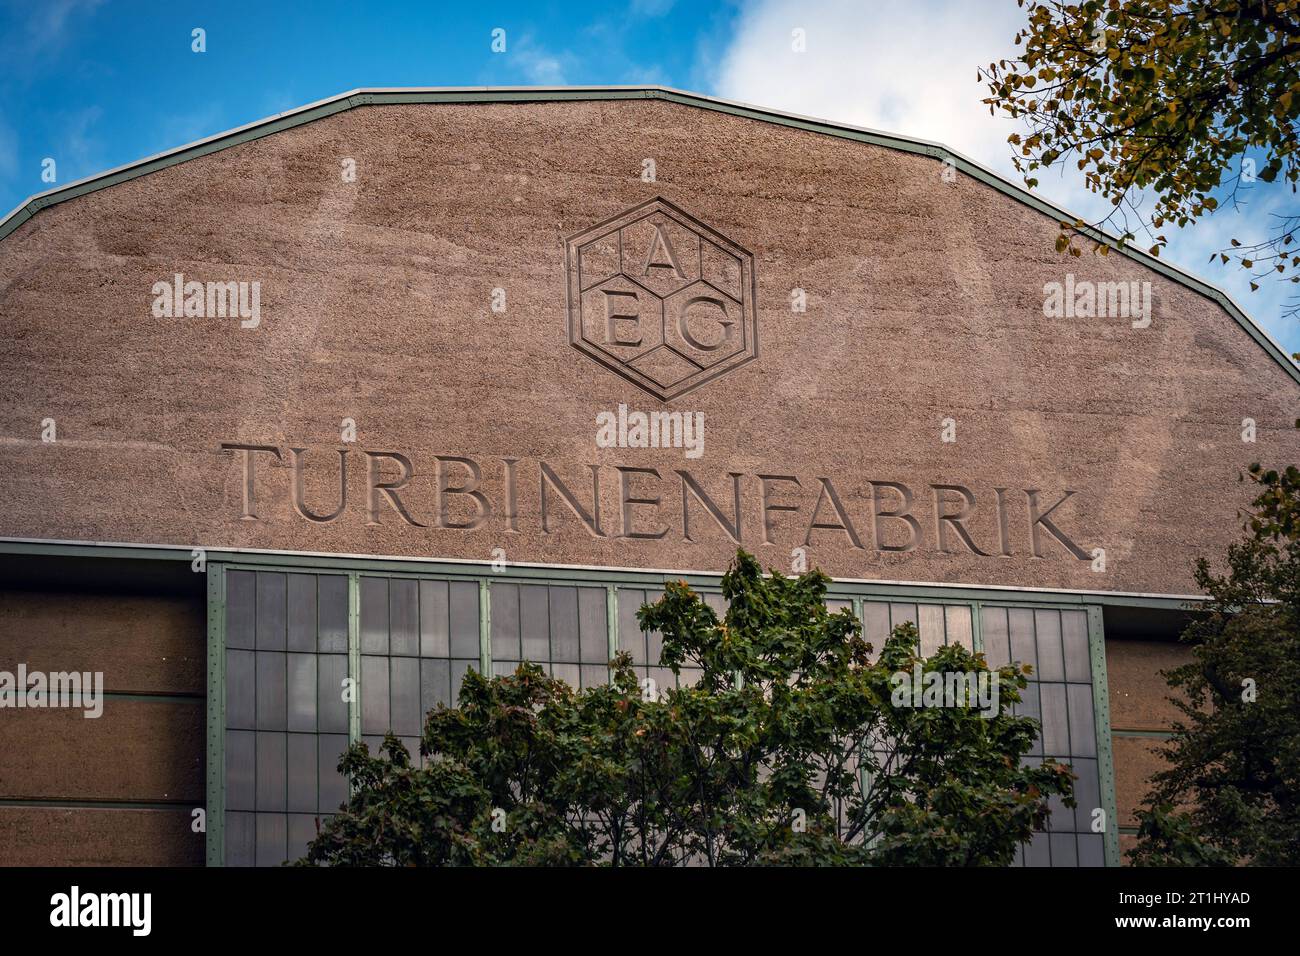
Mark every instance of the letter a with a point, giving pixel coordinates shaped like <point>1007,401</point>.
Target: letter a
<point>654,260</point>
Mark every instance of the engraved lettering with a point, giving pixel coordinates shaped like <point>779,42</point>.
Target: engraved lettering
<point>613,318</point>
<point>728,326</point>
<point>627,502</point>
<point>903,514</point>
<point>388,489</point>
<point>250,493</point>
<point>299,495</point>
<point>512,497</point>
<point>765,486</point>
<point>843,523</point>
<point>482,507</point>
<point>944,520</point>
<point>661,246</point>
<point>590,520</point>
<point>1037,518</point>
<point>691,487</point>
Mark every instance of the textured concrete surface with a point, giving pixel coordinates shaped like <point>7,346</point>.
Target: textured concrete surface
<point>141,644</point>
<point>56,836</point>
<point>138,751</point>
<point>925,302</point>
<point>1139,695</point>
<point>1136,761</point>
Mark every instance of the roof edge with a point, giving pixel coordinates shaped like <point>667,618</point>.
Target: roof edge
<point>382,96</point>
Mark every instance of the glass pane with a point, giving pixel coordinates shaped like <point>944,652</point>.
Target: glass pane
<point>630,637</point>
<point>272,759</point>
<point>462,597</point>
<point>302,773</point>
<point>654,647</point>
<point>1030,706</point>
<point>239,609</point>
<point>875,625</point>
<point>930,618</point>
<point>302,691</point>
<point>505,621</point>
<point>332,708</point>
<point>1020,625</point>
<point>435,619</point>
<point>403,614</point>
<point>374,615</point>
<point>1074,633</point>
<point>901,614</point>
<point>405,696</point>
<point>1083,731</point>
<point>1091,850</point>
<point>241,839</point>
<point>374,695</point>
<point>333,785</point>
<point>592,625</point>
<point>1087,793</point>
<point>302,830</point>
<point>271,611</point>
<point>1056,734</point>
<point>271,714</point>
<point>1047,626</point>
<point>302,612</point>
<point>564,624</point>
<point>241,758</point>
<point>1037,852</point>
<point>241,685</point>
<point>534,623</point>
<point>435,684</point>
<point>272,839</point>
<point>957,623</point>
<point>1064,850</point>
<point>332,595</point>
<point>993,632</point>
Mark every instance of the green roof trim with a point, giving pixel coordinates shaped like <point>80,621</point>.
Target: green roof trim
<point>543,94</point>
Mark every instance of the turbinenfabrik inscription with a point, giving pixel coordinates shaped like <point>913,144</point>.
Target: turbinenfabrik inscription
<point>663,300</point>
<point>782,507</point>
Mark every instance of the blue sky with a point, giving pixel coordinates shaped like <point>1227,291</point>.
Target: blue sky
<point>94,84</point>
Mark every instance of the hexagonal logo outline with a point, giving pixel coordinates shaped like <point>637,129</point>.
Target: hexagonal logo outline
<point>575,288</point>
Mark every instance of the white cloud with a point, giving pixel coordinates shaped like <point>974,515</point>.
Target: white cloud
<point>899,65</point>
<point>44,28</point>
<point>536,64</point>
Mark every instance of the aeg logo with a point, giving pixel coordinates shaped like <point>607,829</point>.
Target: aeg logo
<point>661,299</point>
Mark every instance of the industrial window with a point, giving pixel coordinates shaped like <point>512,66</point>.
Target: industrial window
<point>562,628</point>
<point>293,638</point>
<point>1060,695</point>
<point>418,639</point>
<point>286,720</point>
<point>645,647</point>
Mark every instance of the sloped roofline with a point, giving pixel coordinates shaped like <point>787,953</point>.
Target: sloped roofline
<point>537,94</point>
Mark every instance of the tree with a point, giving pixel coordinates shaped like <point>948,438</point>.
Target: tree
<point>1232,790</point>
<point>1175,101</point>
<point>762,761</point>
